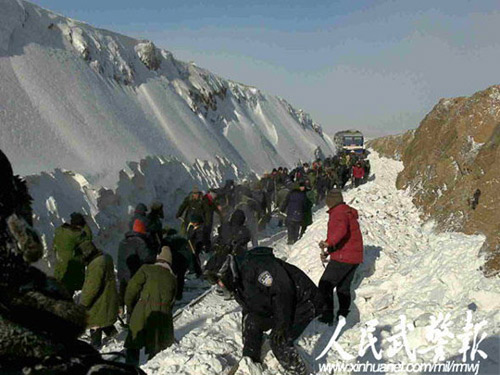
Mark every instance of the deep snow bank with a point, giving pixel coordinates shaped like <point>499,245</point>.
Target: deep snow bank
<point>76,98</point>
<point>89,100</point>
<point>56,195</point>
<point>408,270</point>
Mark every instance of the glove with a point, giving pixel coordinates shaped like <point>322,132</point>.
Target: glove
<point>279,335</point>
<point>331,249</point>
<point>323,245</point>
<point>323,256</point>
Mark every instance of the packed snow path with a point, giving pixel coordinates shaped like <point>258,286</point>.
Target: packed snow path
<point>408,270</point>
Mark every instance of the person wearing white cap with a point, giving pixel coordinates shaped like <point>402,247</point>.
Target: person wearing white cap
<point>150,295</point>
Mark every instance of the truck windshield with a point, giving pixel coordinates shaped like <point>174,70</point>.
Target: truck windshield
<point>358,141</point>
<point>353,141</point>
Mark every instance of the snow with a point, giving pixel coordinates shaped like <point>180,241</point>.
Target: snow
<point>475,147</point>
<point>76,98</point>
<point>57,194</point>
<point>124,114</point>
<point>409,270</point>
<point>495,94</point>
<point>89,100</point>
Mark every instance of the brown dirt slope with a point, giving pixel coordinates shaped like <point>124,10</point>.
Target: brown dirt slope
<point>392,146</point>
<point>452,166</point>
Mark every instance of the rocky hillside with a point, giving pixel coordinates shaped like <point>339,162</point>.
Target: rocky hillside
<point>451,166</point>
<point>392,146</point>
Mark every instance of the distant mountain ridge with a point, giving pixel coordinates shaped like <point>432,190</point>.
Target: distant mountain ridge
<point>89,100</point>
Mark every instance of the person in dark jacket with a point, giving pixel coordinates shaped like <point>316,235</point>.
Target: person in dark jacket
<point>193,204</point>
<point>211,206</point>
<point>196,242</point>
<point>99,294</point>
<point>269,191</point>
<point>155,225</point>
<point>276,296</point>
<point>343,248</point>
<point>295,206</point>
<point>333,179</point>
<point>181,257</point>
<point>39,322</point>
<point>343,174</point>
<point>308,214</point>
<point>234,235</point>
<point>133,252</point>
<point>321,187</point>
<point>250,207</point>
<point>139,221</point>
<point>233,239</point>
<point>226,195</point>
<point>259,196</point>
<point>367,168</point>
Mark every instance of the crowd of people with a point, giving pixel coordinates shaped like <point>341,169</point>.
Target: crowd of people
<point>217,240</point>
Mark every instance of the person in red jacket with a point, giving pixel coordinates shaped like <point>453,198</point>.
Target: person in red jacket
<point>358,172</point>
<point>343,249</point>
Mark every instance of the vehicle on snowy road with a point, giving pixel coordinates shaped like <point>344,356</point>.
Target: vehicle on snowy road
<point>349,140</point>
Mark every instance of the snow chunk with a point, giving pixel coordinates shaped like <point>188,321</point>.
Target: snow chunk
<point>486,300</point>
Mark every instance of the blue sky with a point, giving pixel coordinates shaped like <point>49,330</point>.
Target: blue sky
<point>379,66</point>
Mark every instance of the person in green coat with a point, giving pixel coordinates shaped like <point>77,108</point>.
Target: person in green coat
<point>280,198</point>
<point>69,269</point>
<point>150,295</point>
<point>99,294</point>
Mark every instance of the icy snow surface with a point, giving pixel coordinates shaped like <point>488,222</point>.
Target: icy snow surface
<point>408,270</point>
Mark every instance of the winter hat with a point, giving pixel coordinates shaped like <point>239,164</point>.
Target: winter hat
<point>196,218</point>
<point>165,254</point>
<point>237,218</point>
<point>156,206</point>
<point>157,209</point>
<point>334,198</point>
<point>141,209</point>
<point>77,219</point>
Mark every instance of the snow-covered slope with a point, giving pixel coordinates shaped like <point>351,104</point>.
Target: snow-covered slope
<point>408,270</point>
<point>57,194</point>
<point>89,100</point>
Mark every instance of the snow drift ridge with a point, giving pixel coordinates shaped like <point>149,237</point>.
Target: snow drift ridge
<point>89,100</point>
